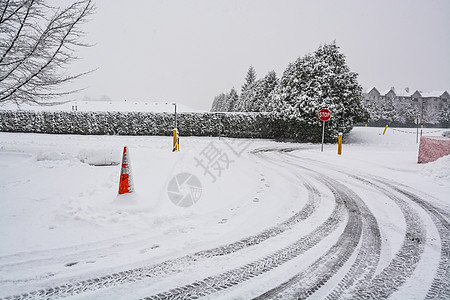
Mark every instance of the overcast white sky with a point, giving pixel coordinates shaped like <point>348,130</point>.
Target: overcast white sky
<point>189,51</point>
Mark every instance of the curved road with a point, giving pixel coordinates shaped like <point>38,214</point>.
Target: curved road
<point>350,254</point>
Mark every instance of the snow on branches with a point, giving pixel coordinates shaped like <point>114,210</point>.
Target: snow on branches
<point>317,80</point>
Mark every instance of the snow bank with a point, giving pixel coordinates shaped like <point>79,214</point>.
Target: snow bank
<point>438,170</point>
<point>100,157</point>
<point>60,186</point>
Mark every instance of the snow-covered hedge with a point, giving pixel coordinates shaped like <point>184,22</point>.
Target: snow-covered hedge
<point>242,125</point>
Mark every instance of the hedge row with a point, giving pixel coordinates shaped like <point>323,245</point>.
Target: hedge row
<point>239,125</point>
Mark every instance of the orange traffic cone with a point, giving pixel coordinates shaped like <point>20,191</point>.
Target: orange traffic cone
<point>126,182</point>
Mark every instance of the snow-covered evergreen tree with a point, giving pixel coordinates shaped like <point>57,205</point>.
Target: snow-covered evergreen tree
<point>320,80</point>
<point>219,103</point>
<point>388,112</point>
<point>231,100</point>
<point>444,118</point>
<point>246,98</point>
<point>256,97</point>
<point>374,109</point>
<point>407,113</point>
<point>225,102</point>
<point>262,102</point>
<point>215,103</point>
<point>385,112</point>
<point>249,78</point>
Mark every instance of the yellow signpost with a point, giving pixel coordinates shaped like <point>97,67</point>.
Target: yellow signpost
<point>176,141</point>
<point>340,143</point>
<point>176,137</point>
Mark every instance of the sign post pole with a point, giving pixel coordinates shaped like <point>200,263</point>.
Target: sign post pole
<point>323,134</point>
<point>176,138</point>
<point>324,115</point>
<point>417,131</point>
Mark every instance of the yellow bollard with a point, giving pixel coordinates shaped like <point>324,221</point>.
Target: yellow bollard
<point>340,143</point>
<point>176,144</point>
<point>385,128</point>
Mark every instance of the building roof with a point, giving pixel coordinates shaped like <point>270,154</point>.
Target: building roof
<point>434,94</point>
<point>370,89</point>
<point>404,93</point>
<point>385,92</point>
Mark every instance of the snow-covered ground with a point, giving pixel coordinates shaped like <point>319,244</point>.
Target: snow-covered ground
<point>263,219</point>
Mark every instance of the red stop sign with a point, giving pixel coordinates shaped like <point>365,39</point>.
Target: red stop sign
<point>324,114</point>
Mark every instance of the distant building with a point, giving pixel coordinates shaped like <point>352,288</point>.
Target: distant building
<point>428,104</point>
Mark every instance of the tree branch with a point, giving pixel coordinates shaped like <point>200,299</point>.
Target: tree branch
<point>35,56</point>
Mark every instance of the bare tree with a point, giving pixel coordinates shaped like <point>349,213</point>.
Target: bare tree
<point>37,44</point>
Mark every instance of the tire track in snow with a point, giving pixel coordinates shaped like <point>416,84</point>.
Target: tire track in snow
<point>406,259</point>
<point>213,284</point>
<point>310,280</point>
<point>440,287</point>
<point>176,265</point>
<point>362,226</point>
<point>366,260</point>
<point>315,276</point>
<point>355,284</point>
<point>384,284</point>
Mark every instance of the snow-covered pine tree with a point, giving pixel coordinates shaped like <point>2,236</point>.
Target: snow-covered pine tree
<point>219,103</point>
<point>339,88</point>
<point>385,113</point>
<point>408,113</point>
<point>214,104</point>
<point>222,102</point>
<point>231,100</point>
<point>444,118</point>
<point>246,98</point>
<point>389,114</point>
<point>316,81</point>
<point>374,110</point>
<point>262,102</point>
<point>255,97</point>
<point>249,78</point>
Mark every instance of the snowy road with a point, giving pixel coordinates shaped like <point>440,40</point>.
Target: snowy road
<point>280,221</point>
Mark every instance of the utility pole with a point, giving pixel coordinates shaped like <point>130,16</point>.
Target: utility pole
<point>176,138</point>
<point>175,104</point>
<point>421,126</point>
<point>417,132</point>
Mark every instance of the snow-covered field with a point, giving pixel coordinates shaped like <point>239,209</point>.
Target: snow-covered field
<point>264,219</point>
